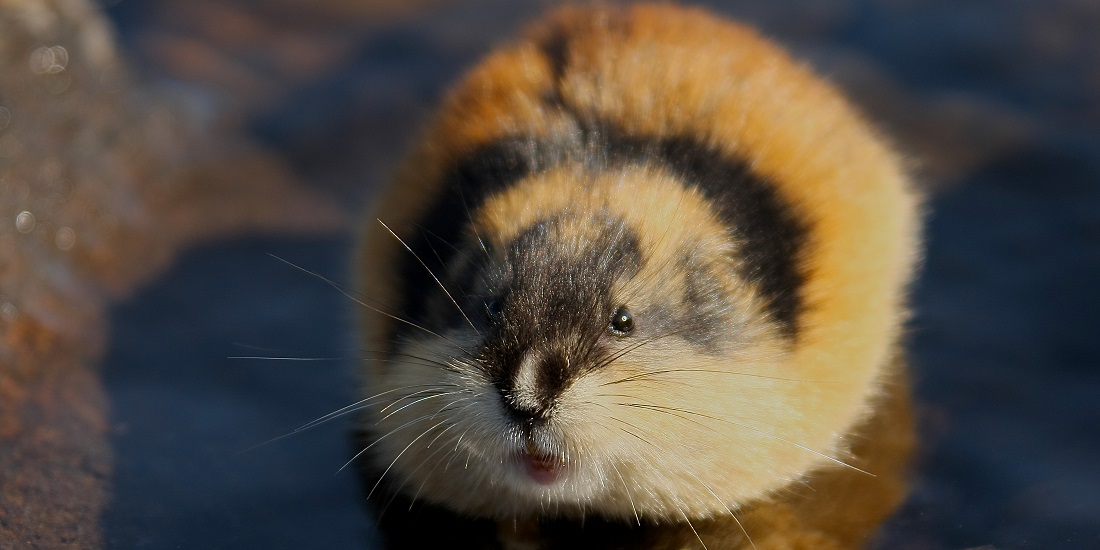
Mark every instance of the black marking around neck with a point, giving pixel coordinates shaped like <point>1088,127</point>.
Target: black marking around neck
<point>772,236</point>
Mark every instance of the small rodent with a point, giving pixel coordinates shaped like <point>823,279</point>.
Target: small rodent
<point>640,285</point>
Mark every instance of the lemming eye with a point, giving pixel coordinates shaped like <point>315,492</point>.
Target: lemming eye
<point>622,323</point>
<point>493,310</point>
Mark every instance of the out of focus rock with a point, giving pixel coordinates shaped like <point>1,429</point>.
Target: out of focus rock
<point>102,183</point>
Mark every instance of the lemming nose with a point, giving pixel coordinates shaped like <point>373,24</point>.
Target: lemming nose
<point>524,413</point>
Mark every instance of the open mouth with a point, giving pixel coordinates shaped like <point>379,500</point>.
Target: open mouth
<point>542,467</point>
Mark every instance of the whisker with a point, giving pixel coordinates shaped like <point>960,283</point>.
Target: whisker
<point>454,454</point>
<point>348,409</point>
<point>434,278</point>
<point>668,410</point>
<point>358,405</point>
<point>398,457</point>
<point>383,436</point>
<point>259,348</point>
<point>723,505</point>
<point>470,216</point>
<point>427,231</point>
<point>626,488</point>
<point>641,376</point>
<point>373,355</point>
<point>396,492</point>
<point>339,288</point>
<point>408,395</point>
<point>266,358</point>
<point>385,357</point>
<point>628,432</point>
<point>423,462</point>
<point>690,526</point>
<point>407,405</point>
<point>631,348</point>
<point>388,357</point>
<point>434,453</point>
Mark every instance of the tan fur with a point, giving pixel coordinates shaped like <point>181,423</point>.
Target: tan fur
<point>662,70</point>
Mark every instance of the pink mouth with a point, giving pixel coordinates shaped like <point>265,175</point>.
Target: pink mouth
<point>543,468</point>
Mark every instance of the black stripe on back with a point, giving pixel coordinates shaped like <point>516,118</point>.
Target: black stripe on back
<point>771,235</point>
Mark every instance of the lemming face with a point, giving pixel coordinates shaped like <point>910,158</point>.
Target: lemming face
<point>595,342</point>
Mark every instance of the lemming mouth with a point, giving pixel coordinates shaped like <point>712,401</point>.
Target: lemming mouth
<point>540,465</point>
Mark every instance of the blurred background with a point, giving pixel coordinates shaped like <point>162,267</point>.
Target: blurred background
<point>156,155</point>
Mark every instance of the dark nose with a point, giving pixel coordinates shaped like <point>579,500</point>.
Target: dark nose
<point>550,378</point>
<point>526,415</point>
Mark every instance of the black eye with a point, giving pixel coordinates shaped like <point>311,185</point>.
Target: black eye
<point>493,310</point>
<point>622,323</point>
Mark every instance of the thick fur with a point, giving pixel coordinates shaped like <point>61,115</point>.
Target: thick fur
<point>660,160</point>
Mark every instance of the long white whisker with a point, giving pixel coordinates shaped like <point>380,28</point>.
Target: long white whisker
<point>458,443</point>
<point>407,405</point>
<point>437,451</point>
<point>339,288</point>
<point>469,215</point>
<point>434,278</point>
<point>348,409</point>
<point>626,488</point>
<point>428,388</point>
<point>422,462</point>
<point>384,436</point>
<point>265,358</point>
<point>690,526</point>
<point>361,404</point>
<point>398,457</point>
<point>397,491</point>
<point>723,505</point>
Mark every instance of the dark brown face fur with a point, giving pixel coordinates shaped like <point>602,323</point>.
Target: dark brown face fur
<point>771,236</point>
<point>547,300</point>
